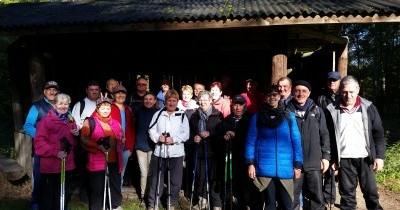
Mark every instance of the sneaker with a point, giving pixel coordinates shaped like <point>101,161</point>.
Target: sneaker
<point>118,208</point>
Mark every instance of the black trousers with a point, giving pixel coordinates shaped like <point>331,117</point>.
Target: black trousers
<point>329,187</point>
<point>352,171</point>
<point>159,169</point>
<point>310,183</point>
<point>96,188</point>
<point>49,191</point>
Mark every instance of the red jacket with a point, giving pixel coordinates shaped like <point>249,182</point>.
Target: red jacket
<point>130,136</point>
<point>50,130</point>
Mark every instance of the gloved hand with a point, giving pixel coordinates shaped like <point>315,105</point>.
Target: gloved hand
<point>65,145</point>
<point>105,142</point>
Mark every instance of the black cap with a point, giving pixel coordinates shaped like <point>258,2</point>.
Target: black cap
<point>51,84</point>
<point>334,75</point>
<point>238,99</point>
<point>302,83</point>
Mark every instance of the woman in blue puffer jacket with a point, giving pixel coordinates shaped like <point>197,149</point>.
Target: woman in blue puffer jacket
<point>273,153</point>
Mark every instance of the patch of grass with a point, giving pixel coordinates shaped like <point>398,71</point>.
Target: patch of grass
<point>20,204</point>
<point>390,175</point>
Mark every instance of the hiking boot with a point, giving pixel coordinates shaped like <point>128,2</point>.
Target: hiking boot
<point>202,204</point>
<point>217,208</point>
<point>118,208</point>
<point>142,203</point>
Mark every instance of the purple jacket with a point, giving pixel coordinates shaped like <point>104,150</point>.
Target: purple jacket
<point>50,130</point>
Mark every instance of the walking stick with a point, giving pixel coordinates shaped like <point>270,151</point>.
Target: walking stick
<point>207,184</point>
<point>62,190</point>
<point>169,180</point>
<point>158,180</point>
<point>106,185</point>
<point>194,176</point>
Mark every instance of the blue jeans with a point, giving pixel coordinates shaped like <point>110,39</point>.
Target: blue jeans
<point>125,157</point>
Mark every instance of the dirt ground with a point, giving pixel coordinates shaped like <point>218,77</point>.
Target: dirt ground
<point>389,199</point>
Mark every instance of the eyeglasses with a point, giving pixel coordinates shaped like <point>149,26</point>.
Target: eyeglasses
<point>272,94</point>
<point>141,84</point>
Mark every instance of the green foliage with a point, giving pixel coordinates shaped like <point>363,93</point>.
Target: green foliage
<point>374,58</point>
<point>21,1</point>
<point>390,176</point>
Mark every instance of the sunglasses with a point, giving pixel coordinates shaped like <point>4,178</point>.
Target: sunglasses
<point>141,84</point>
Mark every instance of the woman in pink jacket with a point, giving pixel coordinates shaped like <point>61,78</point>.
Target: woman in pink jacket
<point>99,134</point>
<point>54,140</point>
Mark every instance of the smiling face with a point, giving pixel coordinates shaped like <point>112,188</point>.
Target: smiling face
<point>62,102</point>
<point>120,97</point>
<point>104,109</point>
<point>301,94</point>
<point>50,94</point>
<point>149,100</point>
<point>205,100</point>
<point>285,87</point>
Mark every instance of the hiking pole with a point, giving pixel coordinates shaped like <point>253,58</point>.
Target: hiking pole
<point>62,190</point>
<point>169,179</point>
<point>225,174</point>
<point>231,198</point>
<point>158,179</point>
<point>194,175</point>
<point>207,184</point>
<point>106,185</point>
<point>332,172</point>
<point>65,148</point>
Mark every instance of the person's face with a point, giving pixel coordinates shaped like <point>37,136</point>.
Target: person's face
<point>333,85</point>
<point>349,93</point>
<point>104,110</point>
<point>111,85</point>
<point>238,109</point>
<point>50,94</point>
<point>301,94</point>
<point>165,87</point>
<point>149,101</point>
<point>141,85</point>
<point>198,89</point>
<point>216,92</point>
<point>93,92</point>
<point>204,102</point>
<point>120,97</point>
<point>272,99</point>
<point>284,88</point>
<point>62,106</point>
<point>250,87</point>
<point>171,104</point>
<point>186,95</point>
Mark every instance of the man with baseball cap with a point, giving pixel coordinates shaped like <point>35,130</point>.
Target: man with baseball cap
<point>330,95</point>
<point>38,110</point>
<point>234,130</point>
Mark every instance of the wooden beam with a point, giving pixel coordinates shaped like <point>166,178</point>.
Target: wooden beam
<point>206,24</point>
<point>343,61</point>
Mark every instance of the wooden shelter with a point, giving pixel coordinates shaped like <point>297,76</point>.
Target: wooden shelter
<point>187,41</point>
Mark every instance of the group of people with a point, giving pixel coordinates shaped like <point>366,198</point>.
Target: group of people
<point>271,149</point>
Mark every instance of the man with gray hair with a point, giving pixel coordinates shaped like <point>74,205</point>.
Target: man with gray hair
<point>359,149</point>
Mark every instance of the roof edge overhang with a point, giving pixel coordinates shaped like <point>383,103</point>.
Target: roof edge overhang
<point>195,25</point>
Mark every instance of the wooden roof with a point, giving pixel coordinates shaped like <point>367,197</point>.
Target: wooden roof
<point>136,15</point>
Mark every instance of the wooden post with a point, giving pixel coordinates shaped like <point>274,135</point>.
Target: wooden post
<point>279,67</point>
<point>279,58</point>
<point>343,60</point>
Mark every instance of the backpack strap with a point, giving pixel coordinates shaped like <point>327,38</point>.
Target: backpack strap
<point>82,106</point>
<point>92,124</point>
<point>158,116</point>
